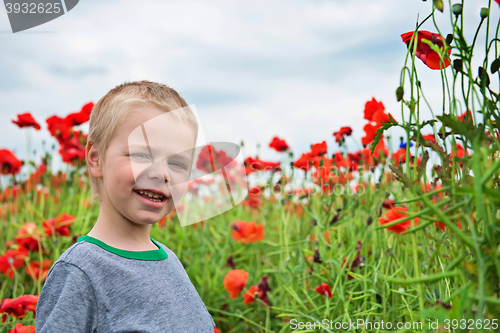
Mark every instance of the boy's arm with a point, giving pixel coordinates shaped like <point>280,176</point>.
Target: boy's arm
<point>67,301</point>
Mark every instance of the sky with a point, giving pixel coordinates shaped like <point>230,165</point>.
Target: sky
<point>296,69</point>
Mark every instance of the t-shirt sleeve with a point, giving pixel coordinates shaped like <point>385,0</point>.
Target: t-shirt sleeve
<point>66,302</point>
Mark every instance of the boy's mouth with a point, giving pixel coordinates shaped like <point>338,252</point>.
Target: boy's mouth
<point>151,195</point>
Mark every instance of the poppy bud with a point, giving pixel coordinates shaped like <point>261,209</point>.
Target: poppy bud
<point>369,220</point>
<point>458,65</point>
<point>230,262</point>
<point>484,12</point>
<point>316,257</point>
<point>439,5</point>
<point>495,65</point>
<point>449,39</point>
<point>399,93</point>
<point>483,76</point>
<point>457,9</point>
<point>336,217</point>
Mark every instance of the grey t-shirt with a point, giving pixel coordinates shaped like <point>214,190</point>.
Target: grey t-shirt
<point>93,287</point>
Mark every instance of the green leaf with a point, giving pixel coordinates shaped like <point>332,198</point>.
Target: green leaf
<point>465,128</point>
<point>436,48</point>
<point>437,312</point>
<point>380,131</point>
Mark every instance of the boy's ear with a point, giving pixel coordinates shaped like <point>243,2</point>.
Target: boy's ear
<point>92,158</point>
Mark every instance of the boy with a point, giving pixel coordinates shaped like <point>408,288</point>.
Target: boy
<point>117,278</point>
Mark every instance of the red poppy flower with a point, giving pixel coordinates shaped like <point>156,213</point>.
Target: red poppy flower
<point>375,158</point>
<point>254,199</point>
<point>256,164</point>
<point>399,156</point>
<point>59,128</point>
<point>303,162</point>
<point>324,169</point>
<point>251,295</point>
<point>430,188</point>
<point>18,307</point>
<point>13,258</point>
<point>466,116</point>
<point>246,232</point>
<point>370,133</point>
<point>388,204</point>
<point>442,226</point>
<point>35,176</point>
<point>20,328</point>
<point>80,117</point>
<point>395,214</point>
<point>355,157</point>
<point>26,120</point>
<point>29,236</point>
<point>429,137</point>
<point>324,289</point>
<point>339,160</point>
<point>344,131</point>
<point>344,262</point>
<point>216,330</point>
<point>234,282</point>
<point>371,107</point>
<point>318,149</point>
<point>424,51</point>
<point>258,291</point>
<point>379,117</point>
<point>279,145</point>
<point>9,163</point>
<point>461,152</point>
<point>59,224</point>
<point>33,269</point>
<point>498,2</point>
<point>211,159</point>
<point>73,150</point>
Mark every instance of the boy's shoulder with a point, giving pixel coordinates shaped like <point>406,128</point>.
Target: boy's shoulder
<point>80,254</point>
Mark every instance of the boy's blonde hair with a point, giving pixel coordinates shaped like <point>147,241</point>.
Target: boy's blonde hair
<point>112,109</point>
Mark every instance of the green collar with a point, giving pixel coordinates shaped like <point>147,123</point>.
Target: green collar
<point>159,254</point>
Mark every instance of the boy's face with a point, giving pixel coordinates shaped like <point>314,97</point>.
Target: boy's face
<point>151,150</point>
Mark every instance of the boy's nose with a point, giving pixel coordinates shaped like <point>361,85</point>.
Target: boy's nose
<point>166,175</point>
<point>159,171</point>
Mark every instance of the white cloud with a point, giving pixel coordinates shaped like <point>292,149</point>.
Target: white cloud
<point>297,69</point>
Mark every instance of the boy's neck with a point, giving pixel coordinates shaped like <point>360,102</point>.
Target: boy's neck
<point>123,243</point>
<point>123,235</point>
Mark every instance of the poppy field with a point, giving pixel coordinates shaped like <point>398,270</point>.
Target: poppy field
<point>379,234</point>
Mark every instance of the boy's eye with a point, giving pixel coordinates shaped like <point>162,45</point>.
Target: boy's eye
<point>141,156</point>
<point>178,166</point>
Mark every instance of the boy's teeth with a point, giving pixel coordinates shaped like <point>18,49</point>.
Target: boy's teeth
<point>151,194</point>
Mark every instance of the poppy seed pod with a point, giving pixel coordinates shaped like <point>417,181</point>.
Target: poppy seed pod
<point>484,12</point>
<point>457,9</point>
